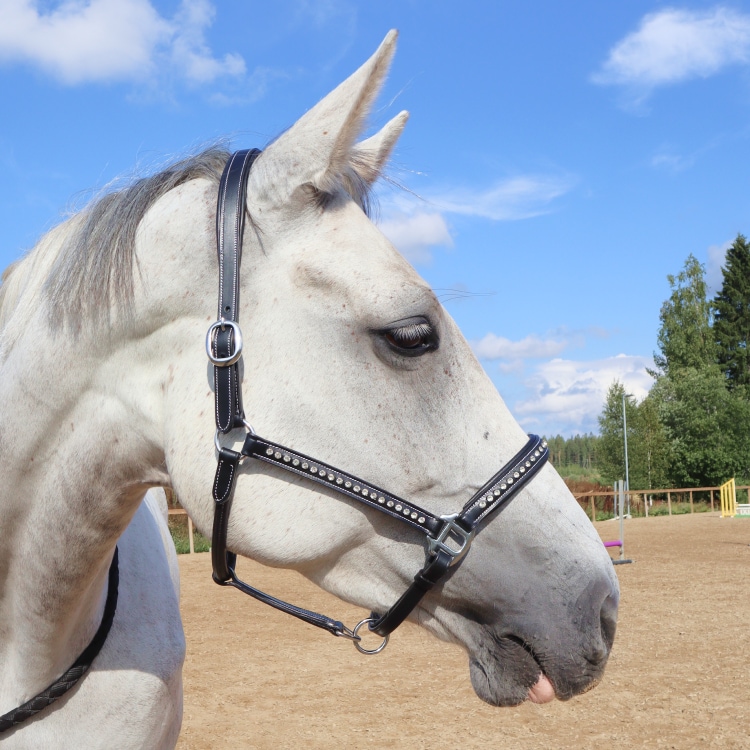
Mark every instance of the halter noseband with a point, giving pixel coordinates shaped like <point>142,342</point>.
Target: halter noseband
<point>447,538</point>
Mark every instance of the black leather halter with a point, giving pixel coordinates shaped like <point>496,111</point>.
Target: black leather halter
<point>447,538</point>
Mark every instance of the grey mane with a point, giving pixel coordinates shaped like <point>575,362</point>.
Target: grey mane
<point>95,267</point>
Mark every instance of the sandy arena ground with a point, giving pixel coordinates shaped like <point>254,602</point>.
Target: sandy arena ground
<point>678,676</point>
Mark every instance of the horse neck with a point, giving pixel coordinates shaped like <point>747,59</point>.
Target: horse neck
<point>71,480</point>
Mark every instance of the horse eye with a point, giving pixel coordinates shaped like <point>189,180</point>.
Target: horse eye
<point>412,339</point>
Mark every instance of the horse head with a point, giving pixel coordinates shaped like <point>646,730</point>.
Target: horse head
<point>349,356</point>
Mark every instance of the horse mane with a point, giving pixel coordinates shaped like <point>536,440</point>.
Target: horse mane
<point>94,263</point>
<point>94,268</point>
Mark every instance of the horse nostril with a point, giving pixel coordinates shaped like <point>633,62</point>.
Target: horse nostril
<point>608,620</point>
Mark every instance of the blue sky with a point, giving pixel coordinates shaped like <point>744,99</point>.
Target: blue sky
<point>567,156</point>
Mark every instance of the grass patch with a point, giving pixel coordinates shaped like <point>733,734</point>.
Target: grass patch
<point>579,474</point>
<point>178,528</point>
<point>678,509</point>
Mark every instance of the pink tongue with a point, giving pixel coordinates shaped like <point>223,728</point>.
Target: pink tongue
<point>542,692</point>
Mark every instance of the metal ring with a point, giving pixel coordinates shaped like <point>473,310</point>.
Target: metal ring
<point>217,443</point>
<point>357,643</point>
<point>232,358</point>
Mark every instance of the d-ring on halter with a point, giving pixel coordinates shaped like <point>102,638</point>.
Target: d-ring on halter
<point>447,538</point>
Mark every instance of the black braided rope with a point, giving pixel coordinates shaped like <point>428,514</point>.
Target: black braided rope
<point>64,683</point>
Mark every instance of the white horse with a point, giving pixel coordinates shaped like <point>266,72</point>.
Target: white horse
<point>105,392</point>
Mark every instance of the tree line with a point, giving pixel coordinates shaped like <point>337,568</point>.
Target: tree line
<point>693,427</point>
<point>580,451</point>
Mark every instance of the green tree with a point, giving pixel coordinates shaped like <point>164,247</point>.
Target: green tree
<point>579,452</point>
<point>707,427</point>
<point>612,445</point>
<point>647,442</point>
<point>685,337</point>
<point>732,316</point>
<point>650,454</point>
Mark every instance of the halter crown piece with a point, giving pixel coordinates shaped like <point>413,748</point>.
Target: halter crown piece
<point>447,538</point>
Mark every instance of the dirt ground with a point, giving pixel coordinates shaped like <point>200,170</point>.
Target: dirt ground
<point>677,677</point>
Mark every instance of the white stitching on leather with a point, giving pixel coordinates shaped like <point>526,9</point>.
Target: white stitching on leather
<point>229,483</point>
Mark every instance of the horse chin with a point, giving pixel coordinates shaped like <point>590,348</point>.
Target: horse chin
<point>509,675</point>
<point>510,672</point>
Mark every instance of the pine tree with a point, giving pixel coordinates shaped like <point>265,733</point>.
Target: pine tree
<point>732,316</point>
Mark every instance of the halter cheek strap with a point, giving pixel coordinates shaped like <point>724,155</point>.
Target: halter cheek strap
<point>447,538</point>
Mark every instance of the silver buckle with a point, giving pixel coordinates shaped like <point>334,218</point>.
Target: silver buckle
<point>453,532</point>
<point>232,358</point>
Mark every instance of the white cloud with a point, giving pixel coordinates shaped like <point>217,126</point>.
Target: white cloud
<point>674,45</point>
<point>511,199</point>
<point>667,159</point>
<point>414,234</point>
<point>112,40</point>
<point>714,275</point>
<point>415,224</point>
<point>190,51</point>
<point>531,347</point>
<point>567,396</point>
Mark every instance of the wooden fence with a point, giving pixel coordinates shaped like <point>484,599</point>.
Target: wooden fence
<point>183,512</point>
<point>669,492</point>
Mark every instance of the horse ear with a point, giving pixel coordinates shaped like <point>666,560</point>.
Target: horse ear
<point>318,149</point>
<point>370,156</point>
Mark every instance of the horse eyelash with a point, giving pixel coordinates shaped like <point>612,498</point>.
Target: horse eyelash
<point>411,331</point>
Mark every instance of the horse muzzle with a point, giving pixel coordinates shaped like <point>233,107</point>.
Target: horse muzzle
<point>549,656</point>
